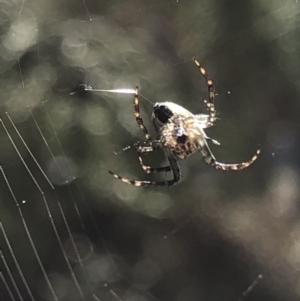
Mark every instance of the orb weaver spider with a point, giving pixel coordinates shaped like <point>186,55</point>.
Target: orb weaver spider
<point>180,134</point>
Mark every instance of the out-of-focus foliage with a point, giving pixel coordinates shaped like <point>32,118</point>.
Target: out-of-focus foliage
<point>206,238</point>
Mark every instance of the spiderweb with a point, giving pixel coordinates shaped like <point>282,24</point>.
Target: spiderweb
<point>68,230</point>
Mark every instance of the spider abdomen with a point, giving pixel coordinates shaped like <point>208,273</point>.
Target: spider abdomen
<point>181,137</point>
<point>184,150</point>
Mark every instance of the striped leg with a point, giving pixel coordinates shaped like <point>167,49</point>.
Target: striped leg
<point>148,169</point>
<point>204,120</point>
<point>211,160</point>
<point>139,118</point>
<point>211,93</point>
<point>176,177</point>
<point>145,149</point>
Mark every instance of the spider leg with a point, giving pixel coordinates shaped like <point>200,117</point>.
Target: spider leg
<point>176,176</point>
<point>124,149</point>
<point>213,141</point>
<point>148,169</point>
<point>204,120</point>
<point>139,118</point>
<point>211,160</point>
<point>211,93</point>
<point>137,144</point>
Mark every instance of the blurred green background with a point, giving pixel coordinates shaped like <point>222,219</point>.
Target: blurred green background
<point>207,238</point>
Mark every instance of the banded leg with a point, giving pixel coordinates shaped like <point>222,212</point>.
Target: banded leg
<point>211,160</point>
<point>148,169</point>
<point>145,149</point>
<point>204,120</point>
<point>137,144</point>
<point>211,93</point>
<point>176,177</point>
<point>138,117</point>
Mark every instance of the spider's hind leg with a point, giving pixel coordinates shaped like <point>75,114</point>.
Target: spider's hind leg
<point>148,169</point>
<point>173,166</point>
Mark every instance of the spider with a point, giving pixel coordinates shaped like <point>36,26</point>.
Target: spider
<point>180,134</point>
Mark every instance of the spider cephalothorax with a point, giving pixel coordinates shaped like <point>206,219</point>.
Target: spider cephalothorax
<point>179,134</point>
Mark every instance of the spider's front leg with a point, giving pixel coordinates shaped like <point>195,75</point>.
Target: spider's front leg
<point>211,94</point>
<point>139,118</point>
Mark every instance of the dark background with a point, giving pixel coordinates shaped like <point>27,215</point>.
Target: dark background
<point>207,238</point>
